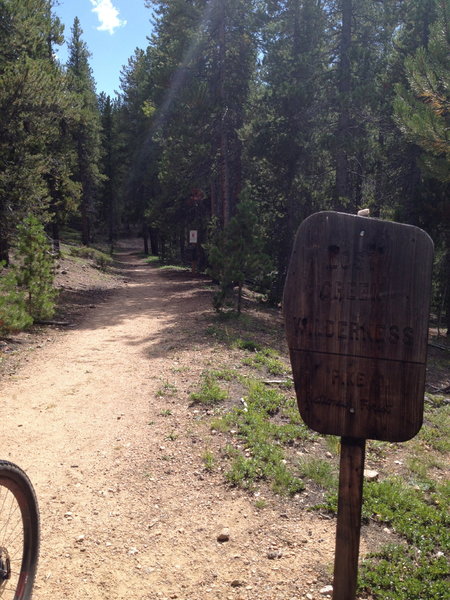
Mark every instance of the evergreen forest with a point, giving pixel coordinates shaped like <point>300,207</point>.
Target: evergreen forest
<point>239,119</point>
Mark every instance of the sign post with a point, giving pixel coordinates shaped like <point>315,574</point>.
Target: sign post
<point>356,305</point>
<point>193,240</point>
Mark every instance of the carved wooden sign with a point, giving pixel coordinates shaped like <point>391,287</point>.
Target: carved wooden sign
<point>356,305</point>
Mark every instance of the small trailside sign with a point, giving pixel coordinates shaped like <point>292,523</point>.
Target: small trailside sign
<point>356,304</point>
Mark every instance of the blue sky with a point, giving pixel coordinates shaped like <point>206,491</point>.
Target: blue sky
<point>112,29</point>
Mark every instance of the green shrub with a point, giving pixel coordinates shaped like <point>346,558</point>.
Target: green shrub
<point>320,471</point>
<point>210,392</point>
<point>35,268</point>
<point>235,255</point>
<point>13,309</point>
<point>401,573</point>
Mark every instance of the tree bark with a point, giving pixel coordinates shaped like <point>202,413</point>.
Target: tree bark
<point>154,246</point>
<point>145,236</point>
<point>447,270</point>
<point>4,250</point>
<point>224,157</point>
<point>342,191</point>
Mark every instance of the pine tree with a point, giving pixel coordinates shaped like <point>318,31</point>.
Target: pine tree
<point>179,144</point>
<point>285,165</point>
<point>236,255</point>
<point>423,110</point>
<point>200,60</point>
<point>85,130</point>
<point>32,102</point>
<point>35,270</point>
<point>139,151</point>
<point>111,168</point>
<point>231,46</point>
<point>14,315</point>
<point>359,100</point>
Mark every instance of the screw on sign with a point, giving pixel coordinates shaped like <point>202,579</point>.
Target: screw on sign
<point>356,306</point>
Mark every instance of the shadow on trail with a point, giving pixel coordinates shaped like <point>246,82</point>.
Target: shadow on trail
<point>177,306</point>
<point>172,302</point>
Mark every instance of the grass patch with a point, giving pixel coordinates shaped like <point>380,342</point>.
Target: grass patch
<point>173,268</point>
<point>419,467</point>
<point>333,443</point>
<point>320,471</point>
<point>209,461</point>
<point>249,345</point>
<point>152,260</point>
<point>219,334</point>
<point>210,392</point>
<point>289,412</point>
<point>266,359</point>
<point>377,450</point>
<point>418,568</point>
<point>434,432</point>
<point>163,265</point>
<point>223,374</point>
<point>167,389</point>
<point>101,259</point>
<point>422,518</point>
<point>263,458</point>
<point>220,424</point>
<point>401,573</point>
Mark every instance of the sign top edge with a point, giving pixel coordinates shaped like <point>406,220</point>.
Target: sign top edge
<point>368,221</point>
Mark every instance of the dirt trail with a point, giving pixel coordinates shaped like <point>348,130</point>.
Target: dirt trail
<point>127,510</point>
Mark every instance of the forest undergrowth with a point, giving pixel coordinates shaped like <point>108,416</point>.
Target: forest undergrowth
<point>249,398</point>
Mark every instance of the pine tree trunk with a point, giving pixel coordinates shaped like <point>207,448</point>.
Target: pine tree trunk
<point>239,305</point>
<point>85,226</point>
<point>213,202</point>
<point>447,271</point>
<point>154,245</point>
<point>4,250</point>
<point>224,158</point>
<point>145,236</point>
<point>56,237</point>
<point>54,223</point>
<point>4,244</point>
<point>111,219</point>
<point>342,187</point>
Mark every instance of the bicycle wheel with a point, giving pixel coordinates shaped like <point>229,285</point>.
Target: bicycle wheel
<point>19,533</point>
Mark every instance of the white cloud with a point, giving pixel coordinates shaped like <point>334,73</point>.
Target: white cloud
<point>108,15</point>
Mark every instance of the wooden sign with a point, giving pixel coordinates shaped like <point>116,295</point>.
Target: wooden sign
<point>356,305</point>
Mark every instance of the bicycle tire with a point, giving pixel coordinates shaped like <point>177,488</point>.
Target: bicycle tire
<point>19,533</point>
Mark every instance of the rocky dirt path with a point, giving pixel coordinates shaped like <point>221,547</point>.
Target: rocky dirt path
<point>127,508</point>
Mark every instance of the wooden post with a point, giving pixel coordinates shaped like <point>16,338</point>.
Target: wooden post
<point>193,241</point>
<point>349,518</point>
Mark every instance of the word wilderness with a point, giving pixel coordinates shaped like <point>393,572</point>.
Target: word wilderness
<point>356,305</point>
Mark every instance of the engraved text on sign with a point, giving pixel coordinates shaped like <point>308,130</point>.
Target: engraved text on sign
<point>356,305</point>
